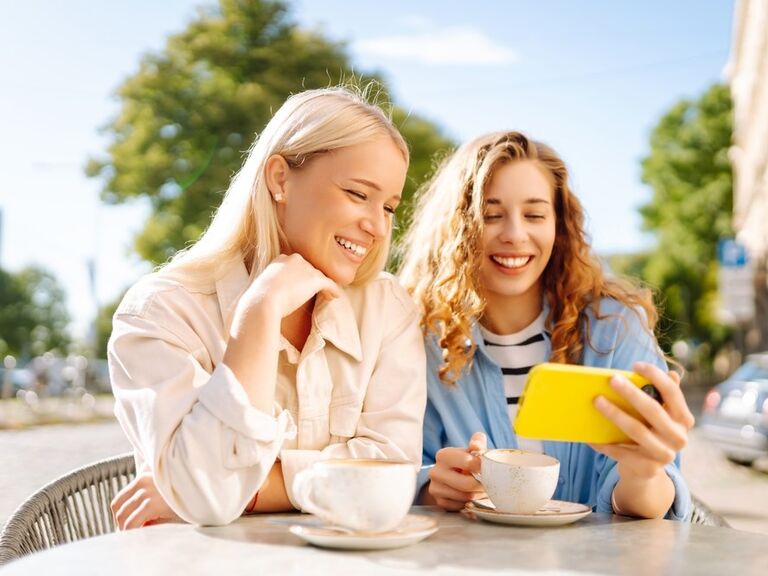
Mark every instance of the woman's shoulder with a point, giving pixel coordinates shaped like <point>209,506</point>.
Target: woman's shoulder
<point>384,292</point>
<point>620,335</point>
<point>162,289</point>
<point>609,310</point>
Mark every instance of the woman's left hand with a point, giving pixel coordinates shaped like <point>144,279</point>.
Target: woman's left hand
<point>666,433</point>
<point>140,504</point>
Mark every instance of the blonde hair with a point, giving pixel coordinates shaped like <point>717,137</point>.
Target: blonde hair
<point>308,124</point>
<point>442,254</point>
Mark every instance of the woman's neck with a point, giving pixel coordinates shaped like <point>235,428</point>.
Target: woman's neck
<point>298,324</point>
<point>511,314</point>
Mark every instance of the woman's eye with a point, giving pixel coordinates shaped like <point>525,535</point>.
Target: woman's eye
<point>491,216</point>
<point>356,194</point>
<point>389,209</point>
<point>536,216</point>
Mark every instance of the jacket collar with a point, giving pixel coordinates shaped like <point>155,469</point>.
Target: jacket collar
<point>335,320</point>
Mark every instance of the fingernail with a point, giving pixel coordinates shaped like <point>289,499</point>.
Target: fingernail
<point>600,401</point>
<point>618,381</point>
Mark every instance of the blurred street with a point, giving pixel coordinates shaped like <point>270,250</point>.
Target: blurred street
<point>738,493</point>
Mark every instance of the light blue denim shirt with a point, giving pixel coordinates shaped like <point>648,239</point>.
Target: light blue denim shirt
<point>477,403</point>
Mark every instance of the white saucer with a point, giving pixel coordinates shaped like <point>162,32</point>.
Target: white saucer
<point>554,513</point>
<point>413,528</point>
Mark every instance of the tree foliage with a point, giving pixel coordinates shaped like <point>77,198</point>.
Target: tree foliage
<point>33,313</point>
<point>191,111</point>
<point>691,208</point>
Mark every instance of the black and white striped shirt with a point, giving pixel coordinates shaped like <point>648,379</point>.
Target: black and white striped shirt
<point>516,354</point>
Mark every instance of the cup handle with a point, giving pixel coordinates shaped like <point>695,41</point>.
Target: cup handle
<point>476,475</point>
<point>303,490</point>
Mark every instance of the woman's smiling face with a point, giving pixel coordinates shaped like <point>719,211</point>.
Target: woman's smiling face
<point>518,235</point>
<point>339,205</point>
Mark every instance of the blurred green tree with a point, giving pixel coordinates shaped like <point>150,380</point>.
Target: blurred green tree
<point>191,110</point>
<point>33,314</point>
<point>691,208</point>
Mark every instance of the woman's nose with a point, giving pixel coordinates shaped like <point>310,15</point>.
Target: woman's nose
<point>513,231</point>
<point>376,223</point>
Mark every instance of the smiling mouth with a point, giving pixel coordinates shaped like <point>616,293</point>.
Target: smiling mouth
<point>512,263</point>
<point>350,246</point>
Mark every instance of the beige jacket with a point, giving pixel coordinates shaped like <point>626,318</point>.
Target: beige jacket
<point>357,389</point>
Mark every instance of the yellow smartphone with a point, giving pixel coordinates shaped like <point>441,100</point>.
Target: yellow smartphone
<point>558,404</point>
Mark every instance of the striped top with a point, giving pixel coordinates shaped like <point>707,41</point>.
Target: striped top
<point>516,354</point>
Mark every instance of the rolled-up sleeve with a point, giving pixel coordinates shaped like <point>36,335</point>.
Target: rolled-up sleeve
<point>389,425</point>
<point>208,448</point>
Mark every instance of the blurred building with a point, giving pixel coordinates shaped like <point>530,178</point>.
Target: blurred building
<point>748,75</point>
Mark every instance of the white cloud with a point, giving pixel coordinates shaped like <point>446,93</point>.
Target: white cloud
<point>451,46</point>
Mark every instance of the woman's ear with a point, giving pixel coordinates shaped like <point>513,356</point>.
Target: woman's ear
<point>276,174</point>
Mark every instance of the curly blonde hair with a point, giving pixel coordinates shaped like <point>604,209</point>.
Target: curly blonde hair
<point>442,253</point>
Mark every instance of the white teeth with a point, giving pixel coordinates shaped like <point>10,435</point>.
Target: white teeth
<point>511,262</point>
<point>351,246</point>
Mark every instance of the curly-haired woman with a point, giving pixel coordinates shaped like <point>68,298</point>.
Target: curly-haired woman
<point>499,263</point>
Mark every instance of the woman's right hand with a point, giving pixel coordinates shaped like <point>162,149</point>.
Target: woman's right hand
<point>287,283</point>
<point>451,483</point>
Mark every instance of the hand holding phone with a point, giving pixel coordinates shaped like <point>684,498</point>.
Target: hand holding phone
<point>558,404</point>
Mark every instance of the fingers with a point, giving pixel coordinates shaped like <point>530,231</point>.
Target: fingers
<point>636,430</point>
<point>674,433</point>
<point>128,508</point>
<point>127,500</point>
<point>478,443</point>
<point>122,497</point>
<point>450,498</point>
<point>138,516</point>
<point>458,458</point>
<point>675,376</point>
<point>456,480</point>
<point>668,384</point>
<point>451,483</point>
<point>139,503</point>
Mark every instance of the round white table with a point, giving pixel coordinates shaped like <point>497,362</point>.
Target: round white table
<point>263,545</point>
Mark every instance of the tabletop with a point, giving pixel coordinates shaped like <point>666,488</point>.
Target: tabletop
<point>597,544</point>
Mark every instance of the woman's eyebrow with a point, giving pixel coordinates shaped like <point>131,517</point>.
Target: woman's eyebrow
<point>534,200</point>
<point>368,183</point>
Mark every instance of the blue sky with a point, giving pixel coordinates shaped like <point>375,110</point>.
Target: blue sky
<point>590,77</point>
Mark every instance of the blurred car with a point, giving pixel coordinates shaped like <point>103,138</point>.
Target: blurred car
<point>14,379</point>
<point>735,413</point>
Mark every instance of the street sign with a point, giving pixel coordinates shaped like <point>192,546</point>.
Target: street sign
<point>735,283</point>
<point>731,253</point>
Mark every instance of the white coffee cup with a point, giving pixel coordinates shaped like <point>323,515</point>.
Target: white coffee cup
<point>516,481</point>
<point>361,495</point>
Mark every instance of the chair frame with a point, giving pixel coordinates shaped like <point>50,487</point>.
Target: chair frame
<point>72,507</point>
<point>702,514</point>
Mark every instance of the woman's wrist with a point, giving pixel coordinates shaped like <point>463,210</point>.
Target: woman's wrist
<point>643,497</point>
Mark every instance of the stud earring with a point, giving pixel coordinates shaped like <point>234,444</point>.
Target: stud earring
<point>277,197</point>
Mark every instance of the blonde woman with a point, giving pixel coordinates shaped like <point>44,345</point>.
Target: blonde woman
<point>499,263</point>
<point>275,340</point>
